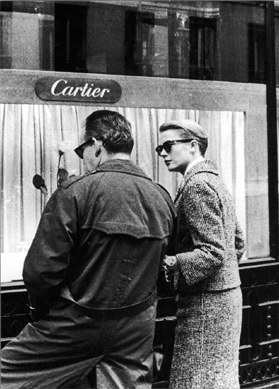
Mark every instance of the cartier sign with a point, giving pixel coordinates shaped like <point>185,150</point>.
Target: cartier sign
<point>78,89</point>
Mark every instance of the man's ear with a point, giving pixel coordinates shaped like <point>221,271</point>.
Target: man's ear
<point>98,147</point>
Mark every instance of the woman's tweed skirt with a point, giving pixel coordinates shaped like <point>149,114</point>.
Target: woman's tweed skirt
<point>206,349</point>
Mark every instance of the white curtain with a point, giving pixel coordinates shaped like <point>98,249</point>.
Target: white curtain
<point>30,140</point>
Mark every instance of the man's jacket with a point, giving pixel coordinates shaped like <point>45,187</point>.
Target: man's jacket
<point>101,239</point>
<point>210,242</point>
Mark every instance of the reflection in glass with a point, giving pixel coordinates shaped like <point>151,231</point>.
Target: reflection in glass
<point>202,40</point>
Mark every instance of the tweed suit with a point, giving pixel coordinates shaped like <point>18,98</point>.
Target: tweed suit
<point>207,283</point>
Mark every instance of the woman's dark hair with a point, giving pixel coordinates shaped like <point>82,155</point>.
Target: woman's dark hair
<point>203,144</point>
<point>112,129</point>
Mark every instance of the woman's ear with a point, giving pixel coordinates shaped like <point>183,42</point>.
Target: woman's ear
<point>195,143</point>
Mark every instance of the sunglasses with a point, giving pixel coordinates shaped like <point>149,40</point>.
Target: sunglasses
<point>80,149</point>
<point>168,145</point>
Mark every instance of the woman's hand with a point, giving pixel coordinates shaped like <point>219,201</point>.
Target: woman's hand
<point>170,263</point>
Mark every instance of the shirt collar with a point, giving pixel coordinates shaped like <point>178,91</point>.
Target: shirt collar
<point>193,163</point>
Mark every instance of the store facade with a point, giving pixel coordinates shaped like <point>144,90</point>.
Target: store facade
<point>150,61</point>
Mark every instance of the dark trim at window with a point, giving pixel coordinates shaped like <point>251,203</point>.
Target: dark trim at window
<point>272,129</point>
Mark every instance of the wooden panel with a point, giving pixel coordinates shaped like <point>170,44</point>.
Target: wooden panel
<point>259,346</point>
<point>18,87</point>
<point>14,310</point>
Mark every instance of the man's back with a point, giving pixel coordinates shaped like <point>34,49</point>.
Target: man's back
<point>91,271</point>
<point>120,223</point>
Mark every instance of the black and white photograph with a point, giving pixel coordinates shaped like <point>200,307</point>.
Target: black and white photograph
<point>139,162</point>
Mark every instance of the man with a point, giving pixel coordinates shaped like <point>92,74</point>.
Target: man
<point>91,271</point>
<point>206,280</point>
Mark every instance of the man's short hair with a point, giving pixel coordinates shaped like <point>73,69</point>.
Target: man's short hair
<point>112,129</point>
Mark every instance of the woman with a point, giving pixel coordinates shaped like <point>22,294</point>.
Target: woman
<point>206,275</point>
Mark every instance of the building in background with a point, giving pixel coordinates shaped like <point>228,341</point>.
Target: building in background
<point>215,62</point>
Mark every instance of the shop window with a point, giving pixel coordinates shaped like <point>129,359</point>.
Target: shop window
<point>38,132</point>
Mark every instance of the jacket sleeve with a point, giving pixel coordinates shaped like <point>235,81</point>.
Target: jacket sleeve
<point>48,258</point>
<point>173,238</point>
<point>239,242</point>
<point>203,214</point>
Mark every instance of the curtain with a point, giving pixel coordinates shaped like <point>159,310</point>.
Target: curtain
<point>32,135</point>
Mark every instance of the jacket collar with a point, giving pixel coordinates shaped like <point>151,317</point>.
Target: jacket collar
<point>205,166</point>
<point>122,166</point>
<point>193,163</point>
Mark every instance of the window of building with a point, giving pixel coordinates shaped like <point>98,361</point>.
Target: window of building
<point>205,49</point>
<point>256,54</point>
<point>177,39</point>
<point>70,42</point>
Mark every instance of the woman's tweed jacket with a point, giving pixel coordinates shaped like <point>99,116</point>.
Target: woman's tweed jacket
<point>210,242</point>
